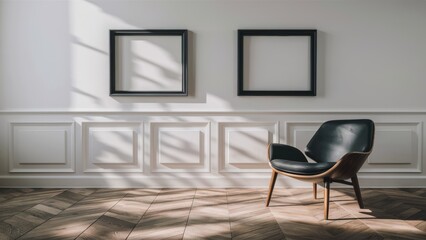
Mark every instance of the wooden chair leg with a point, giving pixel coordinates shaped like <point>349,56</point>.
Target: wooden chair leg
<point>271,186</point>
<point>326,198</point>
<point>314,185</point>
<point>357,190</point>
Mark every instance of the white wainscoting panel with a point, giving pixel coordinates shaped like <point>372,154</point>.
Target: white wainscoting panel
<point>180,147</point>
<point>189,149</point>
<point>397,148</point>
<point>298,134</point>
<point>112,146</point>
<point>41,147</point>
<point>243,145</point>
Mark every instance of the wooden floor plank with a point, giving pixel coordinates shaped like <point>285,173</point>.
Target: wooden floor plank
<point>119,221</point>
<point>167,216</point>
<point>23,202</point>
<point>249,217</point>
<point>74,220</point>
<point>210,214</point>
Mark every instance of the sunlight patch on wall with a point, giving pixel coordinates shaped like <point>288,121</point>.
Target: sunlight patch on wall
<point>89,29</point>
<point>150,63</point>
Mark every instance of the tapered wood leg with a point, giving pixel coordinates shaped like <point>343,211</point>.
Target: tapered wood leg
<point>314,185</point>
<point>326,198</point>
<point>357,190</point>
<point>271,186</point>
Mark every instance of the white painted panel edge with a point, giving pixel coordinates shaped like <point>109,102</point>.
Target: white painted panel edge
<point>70,148</point>
<point>222,162</point>
<point>85,154</point>
<point>202,126</point>
<point>418,169</point>
<point>187,182</point>
<point>419,132</point>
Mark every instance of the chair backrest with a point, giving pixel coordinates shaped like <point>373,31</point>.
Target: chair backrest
<point>337,137</point>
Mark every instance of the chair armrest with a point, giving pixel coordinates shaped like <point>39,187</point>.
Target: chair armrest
<point>287,152</point>
<point>349,165</point>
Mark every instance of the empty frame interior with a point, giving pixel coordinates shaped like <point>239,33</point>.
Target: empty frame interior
<point>149,62</point>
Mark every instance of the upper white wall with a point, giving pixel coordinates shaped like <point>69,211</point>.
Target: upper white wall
<point>55,54</point>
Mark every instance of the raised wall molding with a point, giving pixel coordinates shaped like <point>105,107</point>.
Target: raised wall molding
<point>398,145</point>
<point>188,149</point>
<point>180,147</point>
<point>41,147</point>
<point>112,146</point>
<point>242,145</point>
<point>398,148</point>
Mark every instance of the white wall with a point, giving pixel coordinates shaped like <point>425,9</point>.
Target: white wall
<point>54,86</point>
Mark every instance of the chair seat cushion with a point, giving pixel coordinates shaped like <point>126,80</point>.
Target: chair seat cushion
<point>303,168</point>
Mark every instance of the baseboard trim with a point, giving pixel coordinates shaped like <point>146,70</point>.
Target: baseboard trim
<point>188,182</point>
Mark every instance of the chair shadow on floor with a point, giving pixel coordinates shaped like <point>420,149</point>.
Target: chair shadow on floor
<point>387,214</point>
<point>395,204</point>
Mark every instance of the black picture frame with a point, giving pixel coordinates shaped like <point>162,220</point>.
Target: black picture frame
<point>117,57</point>
<point>242,68</point>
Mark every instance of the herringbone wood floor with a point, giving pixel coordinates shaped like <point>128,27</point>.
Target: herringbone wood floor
<point>209,214</point>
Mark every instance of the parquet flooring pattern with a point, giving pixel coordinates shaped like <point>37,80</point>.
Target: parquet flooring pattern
<point>209,214</point>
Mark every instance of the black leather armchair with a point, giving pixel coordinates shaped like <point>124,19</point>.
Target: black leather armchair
<point>339,149</point>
